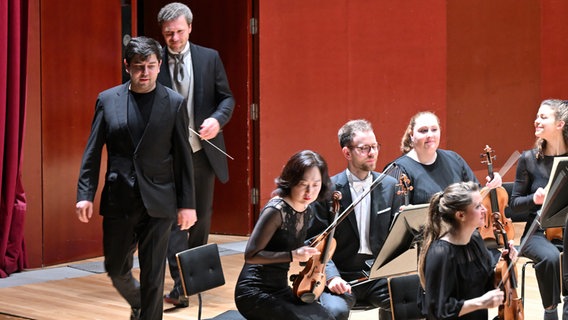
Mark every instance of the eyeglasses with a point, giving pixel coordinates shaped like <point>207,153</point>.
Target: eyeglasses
<point>365,149</point>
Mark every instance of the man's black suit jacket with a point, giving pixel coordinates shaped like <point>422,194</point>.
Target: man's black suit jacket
<point>159,165</point>
<point>212,98</point>
<point>384,205</point>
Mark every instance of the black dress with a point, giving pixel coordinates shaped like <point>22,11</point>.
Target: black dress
<point>531,174</point>
<point>262,290</point>
<point>455,273</point>
<point>427,179</point>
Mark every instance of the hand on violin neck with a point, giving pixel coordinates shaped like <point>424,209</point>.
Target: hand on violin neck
<point>511,251</point>
<point>496,182</point>
<point>304,253</point>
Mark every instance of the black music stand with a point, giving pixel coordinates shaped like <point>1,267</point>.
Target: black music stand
<point>555,207</point>
<point>399,254</point>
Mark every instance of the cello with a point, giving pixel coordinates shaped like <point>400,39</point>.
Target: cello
<point>495,202</point>
<point>505,276</point>
<point>309,283</point>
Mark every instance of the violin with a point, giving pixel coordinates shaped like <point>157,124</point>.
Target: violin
<point>495,202</point>
<point>505,276</point>
<point>308,284</point>
<point>404,187</point>
<point>554,234</point>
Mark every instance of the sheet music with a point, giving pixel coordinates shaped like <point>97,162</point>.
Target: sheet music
<point>553,173</point>
<point>555,206</point>
<point>397,255</point>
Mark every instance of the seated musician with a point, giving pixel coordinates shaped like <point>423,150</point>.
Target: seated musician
<point>533,173</point>
<point>456,269</point>
<point>429,168</point>
<point>361,235</point>
<point>262,290</point>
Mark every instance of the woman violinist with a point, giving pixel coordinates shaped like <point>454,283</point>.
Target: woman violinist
<point>533,173</point>
<point>455,268</point>
<point>262,290</point>
<point>429,168</point>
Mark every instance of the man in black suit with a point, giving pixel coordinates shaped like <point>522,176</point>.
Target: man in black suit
<point>362,234</point>
<point>149,178</point>
<point>197,73</point>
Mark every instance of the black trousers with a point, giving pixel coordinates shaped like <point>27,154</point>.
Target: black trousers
<point>198,235</point>
<point>121,237</point>
<point>374,293</point>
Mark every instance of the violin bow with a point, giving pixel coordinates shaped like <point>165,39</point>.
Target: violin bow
<point>535,224</point>
<point>510,162</point>
<point>351,207</point>
<point>505,168</point>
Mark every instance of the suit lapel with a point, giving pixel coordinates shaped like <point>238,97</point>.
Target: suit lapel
<point>160,104</point>
<point>342,184</point>
<point>121,105</point>
<point>120,102</point>
<point>197,66</point>
<point>165,77</point>
<point>376,199</point>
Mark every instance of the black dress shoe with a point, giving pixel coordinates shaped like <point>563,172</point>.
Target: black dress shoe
<point>179,302</point>
<point>135,314</point>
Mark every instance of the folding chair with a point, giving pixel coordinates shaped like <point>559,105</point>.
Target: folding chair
<point>200,270</point>
<point>403,292</point>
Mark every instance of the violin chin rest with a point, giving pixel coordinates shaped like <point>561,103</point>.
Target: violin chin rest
<point>308,297</point>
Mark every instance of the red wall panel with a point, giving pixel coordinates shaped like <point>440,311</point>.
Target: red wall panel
<point>81,55</point>
<point>554,45</point>
<point>321,66</point>
<point>493,78</point>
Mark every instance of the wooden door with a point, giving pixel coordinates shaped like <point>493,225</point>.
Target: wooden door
<point>224,25</point>
<point>80,56</point>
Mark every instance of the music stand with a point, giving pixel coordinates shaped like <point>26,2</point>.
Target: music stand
<point>398,255</point>
<point>555,206</point>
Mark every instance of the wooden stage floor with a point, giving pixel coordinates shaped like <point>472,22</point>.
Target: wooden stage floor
<point>91,296</point>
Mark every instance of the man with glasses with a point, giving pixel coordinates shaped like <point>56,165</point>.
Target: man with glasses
<point>362,234</point>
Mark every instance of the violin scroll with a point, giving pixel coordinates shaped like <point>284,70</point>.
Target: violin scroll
<point>404,187</point>
<point>336,204</point>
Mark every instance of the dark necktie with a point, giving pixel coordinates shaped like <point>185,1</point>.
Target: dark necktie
<point>179,68</point>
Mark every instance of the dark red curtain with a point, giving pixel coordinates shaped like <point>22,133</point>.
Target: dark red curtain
<point>13,51</point>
